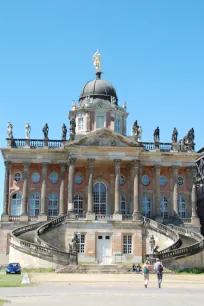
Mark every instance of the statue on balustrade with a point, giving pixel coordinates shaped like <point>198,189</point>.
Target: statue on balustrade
<point>45,131</point>
<point>72,128</point>
<point>187,143</point>
<point>156,135</point>
<point>64,132</point>
<point>27,130</point>
<point>137,131</point>
<point>152,244</point>
<point>174,135</point>
<point>10,131</point>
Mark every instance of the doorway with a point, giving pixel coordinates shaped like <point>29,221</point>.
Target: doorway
<point>104,251</point>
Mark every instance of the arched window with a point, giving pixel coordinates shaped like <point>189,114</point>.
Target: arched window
<point>16,205</point>
<point>164,207</point>
<point>53,205</point>
<point>78,204</point>
<point>122,205</point>
<point>118,125</point>
<point>100,195</point>
<point>146,206</point>
<point>182,207</point>
<point>35,204</point>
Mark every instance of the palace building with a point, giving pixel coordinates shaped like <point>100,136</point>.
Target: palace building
<point>102,183</point>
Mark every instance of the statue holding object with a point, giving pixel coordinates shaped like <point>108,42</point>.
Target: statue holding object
<point>45,131</point>
<point>10,131</point>
<point>27,130</point>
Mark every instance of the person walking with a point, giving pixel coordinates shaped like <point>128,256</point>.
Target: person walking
<point>158,267</point>
<point>145,272</point>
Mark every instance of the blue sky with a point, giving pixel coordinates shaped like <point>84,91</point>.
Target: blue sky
<point>151,51</point>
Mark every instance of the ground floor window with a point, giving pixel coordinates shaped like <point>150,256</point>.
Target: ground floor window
<point>53,205</point>
<point>127,244</point>
<point>81,243</point>
<point>164,207</point>
<point>35,204</point>
<point>146,206</point>
<point>16,204</point>
<point>182,207</point>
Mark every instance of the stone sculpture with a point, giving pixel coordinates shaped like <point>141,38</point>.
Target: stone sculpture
<point>156,135</point>
<point>152,244</point>
<point>113,100</point>
<point>27,130</point>
<point>45,131</point>
<point>72,128</point>
<point>174,135</point>
<point>75,242</point>
<point>187,143</point>
<point>10,131</point>
<point>64,132</point>
<point>137,131</point>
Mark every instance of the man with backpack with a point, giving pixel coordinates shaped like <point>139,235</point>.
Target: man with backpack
<point>158,267</point>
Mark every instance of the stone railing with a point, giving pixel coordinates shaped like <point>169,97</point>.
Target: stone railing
<point>46,253</point>
<point>103,217</point>
<point>166,231</point>
<point>34,143</point>
<point>127,217</point>
<point>14,218</point>
<point>186,220</point>
<point>33,218</point>
<point>163,146</point>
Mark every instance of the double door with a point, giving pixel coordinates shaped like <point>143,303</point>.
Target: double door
<point>104,250</point>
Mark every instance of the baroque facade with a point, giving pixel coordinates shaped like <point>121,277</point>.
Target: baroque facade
<point>101,176</point>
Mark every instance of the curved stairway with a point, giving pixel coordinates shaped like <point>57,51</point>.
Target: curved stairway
<point>27,239</point>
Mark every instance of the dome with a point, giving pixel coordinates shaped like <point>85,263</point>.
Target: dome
<point>98,89</point>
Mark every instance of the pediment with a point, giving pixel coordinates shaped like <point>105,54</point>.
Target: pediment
<point>105,138</point>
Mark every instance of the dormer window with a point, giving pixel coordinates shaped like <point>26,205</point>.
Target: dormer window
<point>118,125</point>
<point>80,123</point>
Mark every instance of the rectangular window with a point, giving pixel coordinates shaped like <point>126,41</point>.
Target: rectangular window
<point>81,243</point>
<point>80,123</point>
<point>127,244</point>
<point>99,122</point>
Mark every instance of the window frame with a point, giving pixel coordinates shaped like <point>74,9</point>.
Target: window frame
<point>122,180</point>
<point>100,198</point>
<point>53,202</point>
<point>182,211</point>
<point>51,175</point>
<point>179,182</point>
<point>163,179</point>
<point>164,210</point>
<point>146,202</point>
<point>78,174</point>
<point>18,204</point>
<point>118,125</point>
<point>123,206</point>
<point>34,174</point>
<point>82,238</point>
<point>145,176</point>
<point>34,204</point>
<point>127,244</point>
<point>78,200</point>
<point>20,179</point>
<point>80,123</point>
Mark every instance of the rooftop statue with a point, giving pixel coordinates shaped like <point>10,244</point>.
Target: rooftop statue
<point>72,128</point>
<point>156,135</point>
<point>27,130</point>
<point>137,131</point>
<point>64,132</point>
<point>187,143</point>
<point>97,60</point>
<point>174,135</point>
<point>10,131</point>
<point>45,131</point>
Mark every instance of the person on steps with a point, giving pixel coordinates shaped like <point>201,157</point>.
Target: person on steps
<point>158,267</point>
<point>145,272</point>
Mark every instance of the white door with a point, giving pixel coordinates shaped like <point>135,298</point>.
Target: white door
<point>104,252</point>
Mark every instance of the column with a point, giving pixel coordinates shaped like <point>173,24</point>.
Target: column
<point>117,215</point>
<point>154,203</point>
<point>5,216</point>
<point>90,215</point>
<point>43,215</point>
<point>194,218</point>
<point>62,178</point>
<point>140,187</point>
<point>136,210</point>
<point>70,210</point>
<point>24,212</point>
<point>157,170</point>
<point>175,190</point>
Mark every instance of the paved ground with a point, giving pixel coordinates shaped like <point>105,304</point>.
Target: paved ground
<point>179,293</point>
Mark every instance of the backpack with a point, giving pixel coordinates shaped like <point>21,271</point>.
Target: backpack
<point>145,270</point>
<point>159,268</point>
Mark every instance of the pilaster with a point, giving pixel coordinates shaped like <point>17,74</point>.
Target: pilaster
<point>5,216</point>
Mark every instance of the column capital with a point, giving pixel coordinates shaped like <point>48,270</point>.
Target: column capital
<point>71,161</point>
<point>26,165</point>
<point>62,167</point>
<point>157,168</point>
<point>44,164</point>
<point>91,162</point>
<point>175,168</point>
<point>117,162</point>
<point>135,163</point>
<point>193,169</point>
<point>7,164</point>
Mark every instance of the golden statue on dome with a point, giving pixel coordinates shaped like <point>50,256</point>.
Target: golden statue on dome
<point>97,60</point>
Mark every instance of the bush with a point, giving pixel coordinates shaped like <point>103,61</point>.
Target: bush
<point>189,271</point>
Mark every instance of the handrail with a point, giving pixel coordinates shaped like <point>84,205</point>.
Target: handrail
<point>165,230</point>
<point>47,253</point>
<point>34,143</point>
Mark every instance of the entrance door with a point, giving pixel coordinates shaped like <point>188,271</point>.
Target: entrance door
<point>104,252</point>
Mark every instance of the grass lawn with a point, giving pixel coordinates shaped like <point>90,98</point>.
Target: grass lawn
<point>14,280</point>
<point>2,302</point>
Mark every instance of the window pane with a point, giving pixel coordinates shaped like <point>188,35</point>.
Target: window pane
<point>99,122</point>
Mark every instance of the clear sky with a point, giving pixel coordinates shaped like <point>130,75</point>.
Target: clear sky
<point>152,51</point>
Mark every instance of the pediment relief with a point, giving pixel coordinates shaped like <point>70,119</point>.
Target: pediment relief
<point>104,138</point>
